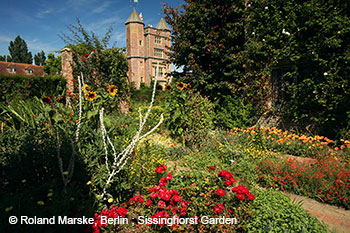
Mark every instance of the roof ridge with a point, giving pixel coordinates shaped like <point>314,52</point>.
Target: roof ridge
<point>17,63</point>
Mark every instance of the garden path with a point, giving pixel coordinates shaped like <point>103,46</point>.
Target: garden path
<point>337,219</point>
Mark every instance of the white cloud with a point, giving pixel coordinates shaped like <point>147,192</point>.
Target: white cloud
<point>43,13</point>
<point>5,39</point>
<point>102,8</point>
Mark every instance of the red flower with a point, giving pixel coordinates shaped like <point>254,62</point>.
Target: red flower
<point>228,183</point>
<point>187,176</point>
<point>161,204</point>
<point>174,210</point>
<point>240,196</point>
<point>251,197</point>
<point>84,59</point>
<point>176,198</point>
<point>183,211</point>
<point>154,195</point>
<point>211,168</point>
<point>225,174</point>
<point>165,195</point>
<point>161,168</point>
<point>220,192</point>
<point>218,208</point>
<point>149,203</point>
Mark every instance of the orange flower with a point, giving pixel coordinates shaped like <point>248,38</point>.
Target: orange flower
<point>180,85</point>
<point>112,90</point>
<point>188,86</point>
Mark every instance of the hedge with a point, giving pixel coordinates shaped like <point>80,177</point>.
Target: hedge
<point>21,87</point>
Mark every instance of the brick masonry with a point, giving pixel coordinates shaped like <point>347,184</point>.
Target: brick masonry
<point>141,45</point>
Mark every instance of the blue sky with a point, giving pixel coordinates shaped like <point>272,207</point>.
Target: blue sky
<point>39,22</point>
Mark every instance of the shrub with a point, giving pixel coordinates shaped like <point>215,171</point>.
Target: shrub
<point>231,112</point>
<point>275,213</point>
<point>190,115</point>
<point>18,87</point>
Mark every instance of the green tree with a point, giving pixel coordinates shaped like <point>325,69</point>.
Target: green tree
<point>307,42</point>
<point>53,64</point>
<point>19,51</point>
<point>208,40</point>
<point>5,58</point>
<point>39,58</point>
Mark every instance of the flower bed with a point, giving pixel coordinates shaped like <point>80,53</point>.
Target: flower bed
<point>327,180</point>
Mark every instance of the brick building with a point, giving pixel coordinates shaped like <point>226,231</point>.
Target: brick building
<point>147,51</point>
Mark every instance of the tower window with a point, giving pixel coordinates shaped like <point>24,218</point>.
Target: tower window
<point>158,53</point>
<point>158,40</point>
<point>140,42</point>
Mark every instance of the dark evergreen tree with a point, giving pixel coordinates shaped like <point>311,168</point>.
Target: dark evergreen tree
<point>39,58</point>
<point>19,51</point>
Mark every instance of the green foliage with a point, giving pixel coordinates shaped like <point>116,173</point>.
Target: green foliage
<point>28,142</point>
<point>190,114</point>
<point>5,58</point>
<point>52,64</point>
<point>231,112</point>
<point>17,87</point>
<point>230,48</point>
<point>142,164</point>
<point>275,213</point>
<point>309,40</point>
<point>19,51</point>
<point>101,67</point>
<point>39,58</point>
<point>208,39</point>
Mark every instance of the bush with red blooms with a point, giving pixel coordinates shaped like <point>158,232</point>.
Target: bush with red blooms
<point>185,197</point>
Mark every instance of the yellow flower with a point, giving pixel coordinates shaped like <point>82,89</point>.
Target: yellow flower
<point>90,95</point>
<point>49,194</point>
<point>110,200</point>
<point>88,183</point>
<point>86,88</point>
<point>40,203</point>
<point>112,90</point>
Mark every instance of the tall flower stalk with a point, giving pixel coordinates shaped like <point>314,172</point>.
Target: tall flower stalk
<point>121,158</point>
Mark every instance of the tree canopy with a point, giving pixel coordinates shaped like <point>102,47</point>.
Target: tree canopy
<point>39,58</point>
<point>242,48</point>
<point>19,51</point>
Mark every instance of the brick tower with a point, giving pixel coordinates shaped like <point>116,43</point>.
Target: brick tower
<point>147,51</point>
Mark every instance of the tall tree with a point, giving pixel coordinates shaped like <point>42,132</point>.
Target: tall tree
<point>19,51</point>
<point>208,42</point>
<point>39,58</point>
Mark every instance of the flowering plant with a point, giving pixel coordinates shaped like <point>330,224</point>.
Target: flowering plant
<point>169,200</point>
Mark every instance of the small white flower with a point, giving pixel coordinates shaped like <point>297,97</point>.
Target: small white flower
<point>232,161</point>
<point>249,5</point>
<point>313,52</point>
<point>325,73</point>
<point>253,33</point>
<point>263,39</point>
<point>266,8</point>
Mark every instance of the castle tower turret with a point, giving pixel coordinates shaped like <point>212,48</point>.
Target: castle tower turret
<point>147,49</point>
<point>135,48</point>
